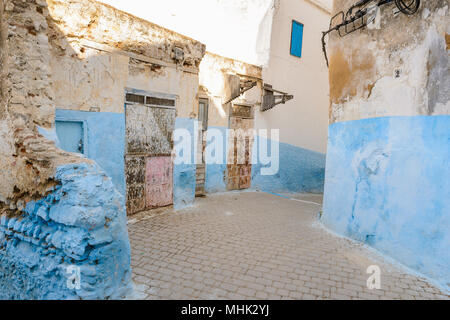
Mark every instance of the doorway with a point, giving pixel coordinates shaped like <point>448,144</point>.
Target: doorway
<point>149,125</point>
<point>240,144</point>
<point>203,106</point>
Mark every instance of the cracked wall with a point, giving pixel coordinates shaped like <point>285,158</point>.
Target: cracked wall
<point>98,53</point>
<point>387,167</point>
<point>61,215</point>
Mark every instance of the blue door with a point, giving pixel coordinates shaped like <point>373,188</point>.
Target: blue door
<point>70,135</point>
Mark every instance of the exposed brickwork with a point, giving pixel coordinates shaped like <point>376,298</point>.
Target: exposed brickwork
<point>257,246</point>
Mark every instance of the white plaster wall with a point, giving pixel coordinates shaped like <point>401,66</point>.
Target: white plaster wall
<point>304,120</point>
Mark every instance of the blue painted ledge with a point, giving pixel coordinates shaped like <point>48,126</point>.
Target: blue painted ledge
<point>81,224</point>
<point>388,185</point>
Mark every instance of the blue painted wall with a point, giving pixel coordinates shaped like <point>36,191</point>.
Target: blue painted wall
<point>300,170</point>
<point>105,141</point>
<point>388,185</point>
<point>214,179</point>
<point>184,175</point>
<point>81,223</point>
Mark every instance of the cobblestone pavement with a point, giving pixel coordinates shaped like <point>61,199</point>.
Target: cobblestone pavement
<point>254,245</point>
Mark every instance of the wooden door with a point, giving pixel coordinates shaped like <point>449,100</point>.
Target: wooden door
<point>239,172</point>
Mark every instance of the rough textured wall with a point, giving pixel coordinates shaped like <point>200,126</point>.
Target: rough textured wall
<point>399,69</point>
<point>387,171</point>
<point>98,52</point>
<point>59,211</point>
<point>104,24</point>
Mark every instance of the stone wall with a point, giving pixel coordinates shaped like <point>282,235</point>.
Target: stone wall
<point>388,146</point>
<point>98,54</point>
<point>63,228</point>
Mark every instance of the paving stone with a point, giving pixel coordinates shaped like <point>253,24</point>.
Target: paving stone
<point>270,248</point>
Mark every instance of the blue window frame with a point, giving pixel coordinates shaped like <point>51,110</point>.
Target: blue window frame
<point>296,39</point>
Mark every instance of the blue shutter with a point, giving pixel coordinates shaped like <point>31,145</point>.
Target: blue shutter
<point>70,135</point>
<point>296,39</point>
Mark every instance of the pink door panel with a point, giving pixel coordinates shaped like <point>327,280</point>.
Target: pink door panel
<point>158,182</point>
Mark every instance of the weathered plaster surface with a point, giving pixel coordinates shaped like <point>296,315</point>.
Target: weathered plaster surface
<point>81,223</point>
<point>57,209</point>
<point>105,141</point>
<point>184,171</point>
<point>216,171</point>
<point>386,180</point>
<point>91,20</point>
<point>384,72</point>
<point>387,184</point>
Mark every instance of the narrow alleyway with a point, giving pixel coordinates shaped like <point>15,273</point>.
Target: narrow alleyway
<point>254,245</point>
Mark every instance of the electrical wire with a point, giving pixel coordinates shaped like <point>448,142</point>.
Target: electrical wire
<point>408,9</point>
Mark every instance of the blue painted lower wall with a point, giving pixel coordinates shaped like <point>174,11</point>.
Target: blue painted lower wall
<point>105,141</point>
<point>300,170</point>
<point>388,185</point>
<point>215,172</point>
<point>106,144</point>
<point>184,174</point>
<point>81,225</point>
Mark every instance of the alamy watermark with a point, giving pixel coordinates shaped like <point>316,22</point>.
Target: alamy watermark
<point>74,277</point>
<point>374,281</point>
<point>231,146</point>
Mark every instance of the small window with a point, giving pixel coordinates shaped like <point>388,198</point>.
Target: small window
<point>132,98</point>
<point>135,98</point>
<point>70,135</point>
<point>296,39</point>
<point>160,101</point>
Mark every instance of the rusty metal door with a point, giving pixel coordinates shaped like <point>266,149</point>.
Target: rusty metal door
<point>158,182</point>
<point>150,121</point>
